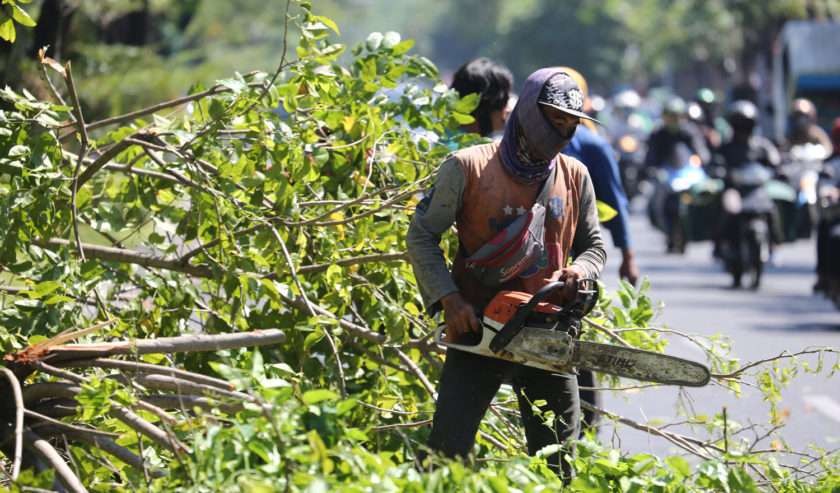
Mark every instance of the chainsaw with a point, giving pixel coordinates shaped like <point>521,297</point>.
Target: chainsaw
<point>522,328</point>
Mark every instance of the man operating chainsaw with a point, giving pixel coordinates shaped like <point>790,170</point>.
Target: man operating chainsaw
<point>520,207</point>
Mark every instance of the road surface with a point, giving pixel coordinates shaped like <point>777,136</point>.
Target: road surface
<point>782,316</point>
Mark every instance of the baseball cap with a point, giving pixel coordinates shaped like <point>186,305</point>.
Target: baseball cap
<point>561,92</point>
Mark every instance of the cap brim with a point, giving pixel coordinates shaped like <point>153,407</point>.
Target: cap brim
<point>579,114</point>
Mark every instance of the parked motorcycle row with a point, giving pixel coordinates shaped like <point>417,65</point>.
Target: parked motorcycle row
<point>706,178</point>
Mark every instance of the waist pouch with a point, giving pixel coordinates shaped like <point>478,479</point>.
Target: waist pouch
<point>515,248</point>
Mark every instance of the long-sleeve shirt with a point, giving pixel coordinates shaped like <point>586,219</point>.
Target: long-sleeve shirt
<point>597,155</point>
<point>438,211</point>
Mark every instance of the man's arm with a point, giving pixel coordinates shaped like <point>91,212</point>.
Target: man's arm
<point>587,242</point>
<point>434,215</point>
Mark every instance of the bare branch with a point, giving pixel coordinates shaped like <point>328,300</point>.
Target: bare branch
<point>133,366</point>
<point>139,424</point>
<point>418,372</point>
<point>17,395</point>
<point>363,259</point>
<point>395,426</point>
<point>114,120</point>
<point>46,451</point>
<point>781,356</point>
<point>102,160</point>
<point>178,344</point>
<point>66,427</point>
<point>112,254</point>
<point>111,447</point>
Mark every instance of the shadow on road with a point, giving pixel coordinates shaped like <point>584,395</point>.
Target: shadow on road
<point>805,327</point>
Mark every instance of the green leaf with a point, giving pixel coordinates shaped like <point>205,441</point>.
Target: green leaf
<point>7,30</point>
<point>605,212</point>
<point>463,118</point>
<point>327,22</point>
<point>403,47</point>
<point>44,288</point>
<point>468,103</point>
<point>318,395</point>
<point>679,465</point>
<point>22,18</point>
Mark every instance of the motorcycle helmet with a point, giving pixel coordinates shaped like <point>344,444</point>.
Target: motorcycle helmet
<point>803,107</point>
<point>674,106</point>
<point>742,115</point>
<point>628,99</point>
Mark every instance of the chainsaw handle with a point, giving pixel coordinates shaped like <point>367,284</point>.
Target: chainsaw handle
<point>515,324</point>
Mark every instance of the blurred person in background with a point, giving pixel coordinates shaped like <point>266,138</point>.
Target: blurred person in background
<point>674,130</point>
<point>803,128</point>
<point>743,147</point>
<point>828,265</point>
<point>599,158</point>
<point>714,128</point>
<point>494,82</point>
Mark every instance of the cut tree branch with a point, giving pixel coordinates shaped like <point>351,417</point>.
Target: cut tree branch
<point>17,396</point>
<point>178,344</point>
<point>47,452</point>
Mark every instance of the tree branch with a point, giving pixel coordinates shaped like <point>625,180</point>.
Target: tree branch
<point>781,356</point>
<point>112,254</point>
<point>17,396</point>
<point>138,367</point>
<point>379,257</point>
<point>46,451</point>
<point>178,344</point>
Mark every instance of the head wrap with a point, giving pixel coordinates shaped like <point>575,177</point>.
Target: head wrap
<point>531,143</point>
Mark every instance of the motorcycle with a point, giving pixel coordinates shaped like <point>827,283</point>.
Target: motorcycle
<point>631,158</point>
<point>672,194</point>
<point>748,208</point>
<point>828,234</point>
<point>801,170</point>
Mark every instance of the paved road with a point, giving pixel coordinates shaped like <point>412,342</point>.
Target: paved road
<point>782,316</point>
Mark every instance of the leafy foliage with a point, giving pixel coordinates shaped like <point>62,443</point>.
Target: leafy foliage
<point>281,201</point>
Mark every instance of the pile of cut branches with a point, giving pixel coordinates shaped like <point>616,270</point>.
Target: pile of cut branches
<point>31,422</point>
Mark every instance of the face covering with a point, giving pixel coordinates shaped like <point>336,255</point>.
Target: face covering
<point>531,143</point>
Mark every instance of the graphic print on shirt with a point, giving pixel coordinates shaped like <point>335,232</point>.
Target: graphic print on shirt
<point>556,207</point>
<point>509,214</point>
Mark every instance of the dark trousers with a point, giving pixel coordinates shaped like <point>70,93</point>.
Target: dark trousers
<point>467,386</point>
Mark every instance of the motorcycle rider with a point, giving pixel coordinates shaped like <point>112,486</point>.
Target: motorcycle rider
<point>494,82</point>
<point>673,131</point>
<point>802,126</point>
<point>713,129</point>
<point>745,146</point>
<point>483,189</point>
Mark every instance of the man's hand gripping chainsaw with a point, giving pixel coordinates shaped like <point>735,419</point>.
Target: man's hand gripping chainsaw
<point>525,329</point>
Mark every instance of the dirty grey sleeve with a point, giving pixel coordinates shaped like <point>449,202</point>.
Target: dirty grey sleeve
<point>434,215</point>
<point>591,255</point>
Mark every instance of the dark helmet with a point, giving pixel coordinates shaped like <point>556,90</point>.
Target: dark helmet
<point>742,110</point>
<point>803,107</point>
<point>742,115</point>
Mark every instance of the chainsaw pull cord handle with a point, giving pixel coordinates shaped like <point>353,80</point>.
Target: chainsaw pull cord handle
<point>515,324</point>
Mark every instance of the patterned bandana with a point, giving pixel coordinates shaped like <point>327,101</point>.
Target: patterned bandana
<point>531,143</point>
